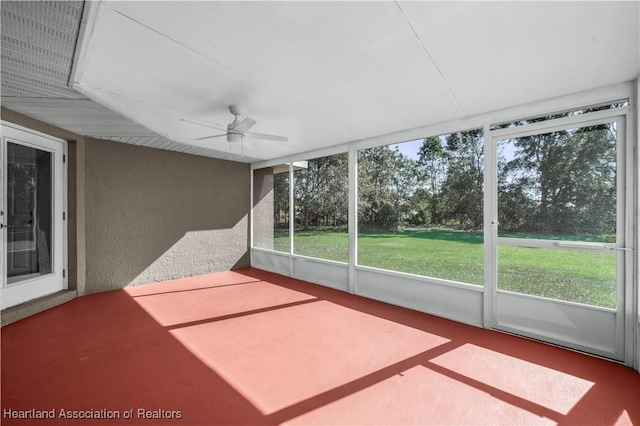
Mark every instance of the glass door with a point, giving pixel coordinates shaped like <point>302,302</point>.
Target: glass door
<point>558,231</point>
<point>32,216</point>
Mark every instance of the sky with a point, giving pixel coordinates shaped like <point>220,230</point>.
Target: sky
<point>410,149</point>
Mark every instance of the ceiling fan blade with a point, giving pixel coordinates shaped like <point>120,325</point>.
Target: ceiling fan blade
<point>243,126</point>
<point>255,135</point>
<point>211,126</point>
<point>210,137</point>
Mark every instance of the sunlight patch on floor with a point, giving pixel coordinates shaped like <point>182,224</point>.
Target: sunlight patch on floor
<point>420,396</point>
<point>624,419</point>
<point>282,357</point>
<point>542,386</point>
<point>186,306</point>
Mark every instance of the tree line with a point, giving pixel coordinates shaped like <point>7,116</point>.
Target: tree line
<point>561,182</point>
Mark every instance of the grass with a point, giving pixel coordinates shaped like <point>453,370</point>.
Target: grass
<point>578,276</point>
<point>450,255</point>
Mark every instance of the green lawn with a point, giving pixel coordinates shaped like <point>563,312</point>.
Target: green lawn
<point>578,276</point>
<point>450,255</point>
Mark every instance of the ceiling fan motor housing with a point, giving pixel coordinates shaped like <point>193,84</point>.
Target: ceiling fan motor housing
<point>237,110</point>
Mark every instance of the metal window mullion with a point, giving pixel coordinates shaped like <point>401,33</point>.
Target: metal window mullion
<point>558,124</point>
<point>353,217</point>
<point>629,286</point>
<point>251,183</point>
<point>490,229</point>
<point>621,215</point>
<point>557,244</point>
<point>621,234</point>
<point>292,218</point>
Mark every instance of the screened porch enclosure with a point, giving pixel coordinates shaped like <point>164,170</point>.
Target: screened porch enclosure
<point>325,212</point>
<point>524,223</point>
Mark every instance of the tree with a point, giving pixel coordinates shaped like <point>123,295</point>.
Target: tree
<point>403,186</point>
<point>561,182</point>
<point>432,167</point>
<point>462,189</point>
<point>321,192</point>
<point>281,200</point>
<point>384,180</point>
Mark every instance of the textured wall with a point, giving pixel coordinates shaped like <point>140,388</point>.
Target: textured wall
<point>263,208</point>
<point>153,215</point>
<point>138,215</point>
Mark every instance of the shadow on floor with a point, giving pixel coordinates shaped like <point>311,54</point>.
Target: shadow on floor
<point>251,347</point>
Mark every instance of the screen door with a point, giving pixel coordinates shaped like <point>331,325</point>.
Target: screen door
<point>559,240</point>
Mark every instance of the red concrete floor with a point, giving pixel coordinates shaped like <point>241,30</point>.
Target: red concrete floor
<point>250,347</point>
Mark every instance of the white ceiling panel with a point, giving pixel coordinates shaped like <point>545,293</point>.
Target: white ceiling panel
<point>325,73</point>
<point>519,52</point>
<point>328,57</point>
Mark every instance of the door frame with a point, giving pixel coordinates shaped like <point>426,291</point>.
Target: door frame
<point>60,172</point>
<point>622,326</point>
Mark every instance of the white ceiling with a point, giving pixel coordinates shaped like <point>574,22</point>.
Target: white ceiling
<point>325,73</point>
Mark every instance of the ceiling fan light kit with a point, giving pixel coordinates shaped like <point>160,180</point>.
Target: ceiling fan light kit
<point>234,138</point>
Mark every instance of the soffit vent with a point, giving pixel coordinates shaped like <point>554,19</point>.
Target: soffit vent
<point>38,44</point>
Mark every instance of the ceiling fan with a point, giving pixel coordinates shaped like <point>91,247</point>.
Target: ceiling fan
<point>237,130</point>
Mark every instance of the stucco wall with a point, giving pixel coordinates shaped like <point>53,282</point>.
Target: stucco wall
<point>153,215</point>
<point>263,208</point>
<point>139,215</point>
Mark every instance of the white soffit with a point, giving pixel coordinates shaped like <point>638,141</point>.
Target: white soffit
<point>37,45</point>
<point>81,116</point>
<point>325,73</point>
